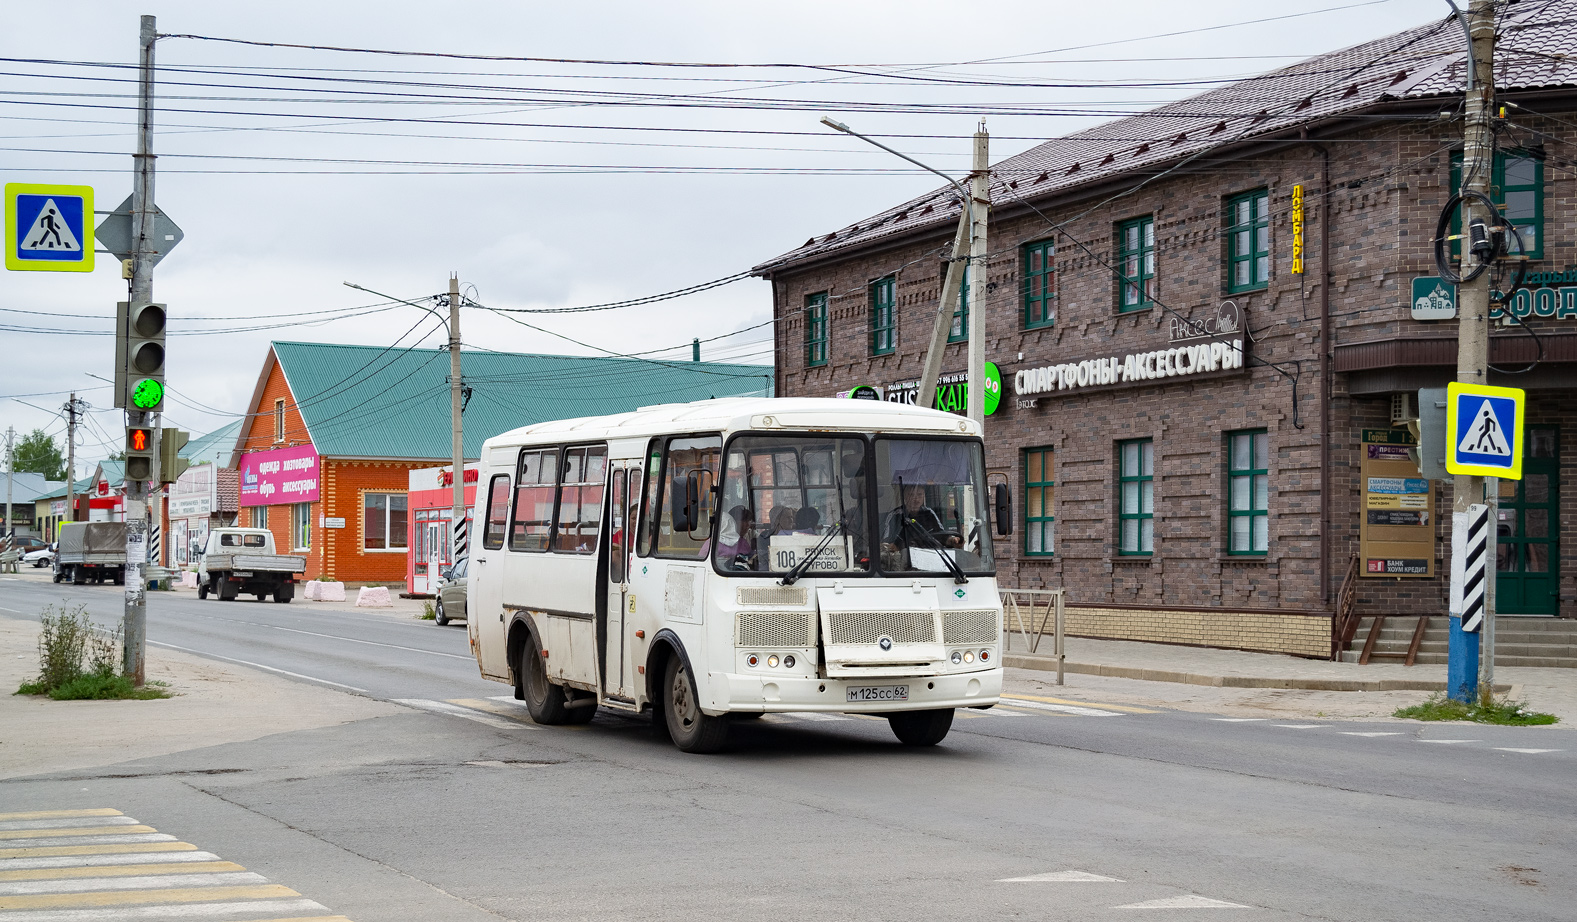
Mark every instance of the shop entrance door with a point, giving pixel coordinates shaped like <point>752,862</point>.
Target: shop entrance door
<point>436,547</point>
<point>1528,536</point>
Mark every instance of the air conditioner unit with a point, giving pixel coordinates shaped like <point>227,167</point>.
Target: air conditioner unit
<point>1404,408</point>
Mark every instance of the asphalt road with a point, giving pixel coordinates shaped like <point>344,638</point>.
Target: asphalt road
<point>462,809</point>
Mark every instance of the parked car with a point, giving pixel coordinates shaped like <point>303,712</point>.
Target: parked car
<point>40,557</point>
<point>451,594</point>
<point>27,543</point>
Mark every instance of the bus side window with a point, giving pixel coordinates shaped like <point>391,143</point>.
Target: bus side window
<point>580,499</point>
<point>689,458</point>
<point>497,513</point>
<point>654,465</point>
<point>534,489</point>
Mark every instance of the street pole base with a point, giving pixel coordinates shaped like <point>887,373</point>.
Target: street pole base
<point>1462,664</point>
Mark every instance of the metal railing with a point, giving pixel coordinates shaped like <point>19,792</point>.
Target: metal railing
<point>1027,613</point>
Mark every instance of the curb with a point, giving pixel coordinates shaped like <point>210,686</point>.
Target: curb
<point>1049,664</point>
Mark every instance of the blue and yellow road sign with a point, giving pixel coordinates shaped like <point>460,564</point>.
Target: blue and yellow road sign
<point>48,228</point>
<point>1484,430</point>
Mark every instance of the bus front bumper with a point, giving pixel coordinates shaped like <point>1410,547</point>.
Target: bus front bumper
<point>787,693</point>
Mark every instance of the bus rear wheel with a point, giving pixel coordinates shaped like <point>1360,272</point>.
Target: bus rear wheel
<point>921,728</point>
<point>543,699</point>
<point>689,728</point>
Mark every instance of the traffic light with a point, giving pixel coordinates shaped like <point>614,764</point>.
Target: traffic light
<point>144,356</point>
<point>139,453</point>
<point>1430,431</point>
<point>171,464</point>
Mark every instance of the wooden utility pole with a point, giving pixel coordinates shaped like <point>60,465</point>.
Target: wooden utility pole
<point>71,460</point>
<point>457,527</point>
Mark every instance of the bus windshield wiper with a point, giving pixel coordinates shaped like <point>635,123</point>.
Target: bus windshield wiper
<point>950,563</point>
<point>799,569</point>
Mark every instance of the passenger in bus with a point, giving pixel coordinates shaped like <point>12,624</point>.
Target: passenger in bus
<point>737,541</point>
<point>807,521</point>
<point>783,519</point>
<point>916,524</point>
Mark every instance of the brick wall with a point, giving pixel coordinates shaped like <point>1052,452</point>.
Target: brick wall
<point>344,484</point>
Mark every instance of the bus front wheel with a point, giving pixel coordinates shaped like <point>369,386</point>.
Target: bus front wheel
<point>690,729</point>
<point>543,699</point>
<point>921,728</point>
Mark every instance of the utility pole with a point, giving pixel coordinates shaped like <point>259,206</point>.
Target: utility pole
<point>980,204</point>
<point>142,214</point>
<point>457,515</point>
<point>1470,668</point>
<point>71,459</point>
<point>10,476</point>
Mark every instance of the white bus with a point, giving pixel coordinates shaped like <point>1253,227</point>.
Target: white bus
<point>719,560</point>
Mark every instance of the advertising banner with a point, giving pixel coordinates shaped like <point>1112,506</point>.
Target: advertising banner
<point>284,475</point>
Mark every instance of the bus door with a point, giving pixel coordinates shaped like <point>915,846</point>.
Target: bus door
<point>616,679</point>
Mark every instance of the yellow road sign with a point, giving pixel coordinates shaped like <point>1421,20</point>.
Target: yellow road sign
<point>1484,430</point>
<point>48,228</point>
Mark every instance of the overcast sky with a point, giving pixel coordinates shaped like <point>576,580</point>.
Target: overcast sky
<point>543,184</point>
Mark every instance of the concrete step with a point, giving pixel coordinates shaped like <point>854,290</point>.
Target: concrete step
<point>1518,641</point>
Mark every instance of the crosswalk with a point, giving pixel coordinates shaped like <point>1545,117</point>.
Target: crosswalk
<point>505,713</point>
<point>100,865</point>
<point>1383,735</point>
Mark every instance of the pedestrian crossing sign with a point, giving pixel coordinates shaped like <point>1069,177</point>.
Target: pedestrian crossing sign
<point>48,228</point>
<point>1484,430</point>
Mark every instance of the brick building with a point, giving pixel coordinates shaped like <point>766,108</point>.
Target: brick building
<point>332,432</point>
<point>1204,442</point>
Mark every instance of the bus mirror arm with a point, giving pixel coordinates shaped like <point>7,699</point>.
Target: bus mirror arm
<point>692,504</point>
<point>1004,510</point>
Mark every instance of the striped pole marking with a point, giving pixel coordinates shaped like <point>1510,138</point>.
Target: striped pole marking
<point>1469,564</point>
<point>153,544</point>
<point>100,865</point>
<point>462,540</point>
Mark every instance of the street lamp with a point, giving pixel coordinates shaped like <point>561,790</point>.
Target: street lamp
<point>965,241</point>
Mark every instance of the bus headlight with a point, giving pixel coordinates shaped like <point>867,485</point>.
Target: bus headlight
<point>772,661</point>
<point>788,661</point>
<point>957,657</point>
<point>969,656</point>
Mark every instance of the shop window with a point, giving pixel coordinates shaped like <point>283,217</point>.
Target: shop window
<point>1248,241</point>
<point>1136,264</point>
<point>1248,492</point>
<point>959,331</point>
<point>884,316</point>
<point>497,512</point>
<point>1040,284</point>
<point>301,526</point>
<point>816,329</point>
<point>580,499</point>
<point>279,419</point>
<point>384,523</point>
<point>1040,519</point>
<point>534,488</point>
<point>1136,497</point>
<point>1517,186</point>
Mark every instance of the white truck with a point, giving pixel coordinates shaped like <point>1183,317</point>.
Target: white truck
<point>238,560</point>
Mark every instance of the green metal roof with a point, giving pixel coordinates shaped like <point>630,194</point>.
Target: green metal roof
<point>215,447</point>
<point>371,402</point>
<point>114,471</point>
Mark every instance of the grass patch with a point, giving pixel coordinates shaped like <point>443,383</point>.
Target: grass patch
<point>77,661</point>
<point>1502,711</point>
<point>428,614</point>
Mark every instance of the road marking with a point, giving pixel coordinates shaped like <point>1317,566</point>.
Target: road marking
<point>1303,726</point>
<point>1239,720</point>
<point>73,832</point>
<point>372,643</point>
<point>228,659</point>
<point>515,710</point>
<point>57,814</point>
<point>1061,877</point>
<point>1076,710</point>
<point>183,882</point>
<point>1191,901</point>
<point>158,843</point>
<point>1449,742</point>
<point>1371,734</point>
<point>1125,708</point>
<point>178,911</point>
<point>452,710</point>
<point>1531,752</point>
<point>133,897</point>
<point>64,822</point>
<point>105,862</point>
<point>140,837</point>
<point>120,870</point>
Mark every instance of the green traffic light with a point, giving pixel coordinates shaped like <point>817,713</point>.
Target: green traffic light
<point>148,394</point>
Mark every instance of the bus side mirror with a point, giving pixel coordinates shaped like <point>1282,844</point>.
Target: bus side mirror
<point>692,501</point>
<point>1004,510</point>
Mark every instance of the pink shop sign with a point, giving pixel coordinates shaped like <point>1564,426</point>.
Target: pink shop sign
<point>284,475</point>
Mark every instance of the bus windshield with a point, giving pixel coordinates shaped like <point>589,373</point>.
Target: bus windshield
<point>930,495</point>
<point>786,498</point>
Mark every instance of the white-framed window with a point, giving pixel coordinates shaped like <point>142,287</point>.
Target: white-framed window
<point>384,521</point>
<point>301,526</point>
<point>259,516</point>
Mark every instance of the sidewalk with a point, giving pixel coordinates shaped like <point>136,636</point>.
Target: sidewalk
<point>1545,689</point>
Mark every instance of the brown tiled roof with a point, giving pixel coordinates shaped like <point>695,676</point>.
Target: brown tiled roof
<point>1536,48</point>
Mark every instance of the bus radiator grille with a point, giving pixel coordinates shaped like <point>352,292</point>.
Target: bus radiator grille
<point>867,627</point>
<point>773,629</point>
<point>970,627</point>
<point>773,595</point>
